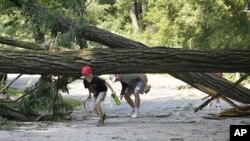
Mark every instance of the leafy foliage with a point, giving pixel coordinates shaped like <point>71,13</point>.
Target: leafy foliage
<point>173,23</point>
<point>46,97</point>
<point>7,125</point>
<point>185,24</point>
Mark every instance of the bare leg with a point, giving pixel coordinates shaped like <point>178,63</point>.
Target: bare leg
<point>218,106</point>
<point>100,114</point>
<point>137,105</point>
<point>98,109</point>
<point>137,100</point>
<point>129,100</point>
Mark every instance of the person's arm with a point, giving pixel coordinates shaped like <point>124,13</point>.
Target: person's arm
<point>143,79</point>
<point>86,86</point>
<point>110,87</point>
<point>89,94</point>
<point>145,82</point>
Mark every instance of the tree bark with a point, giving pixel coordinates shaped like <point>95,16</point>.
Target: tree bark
<point>22,44</point>
<point>106,61</point>
<point>29,45</point>
<point>16,115</point>
<point>124,61</point>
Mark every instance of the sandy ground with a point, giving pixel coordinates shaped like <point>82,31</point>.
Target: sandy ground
<point>166,114</point>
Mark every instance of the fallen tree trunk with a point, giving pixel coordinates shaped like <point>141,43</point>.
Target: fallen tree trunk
<point>29,45</point>
<point>22,44</point>
<point>232,112</point>
<point>69,63</point>
<point>11,113</point>
<point>106,61</point>
<point>210,84</point>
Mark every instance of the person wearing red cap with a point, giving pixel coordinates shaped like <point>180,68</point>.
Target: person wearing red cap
<point>98,87</point>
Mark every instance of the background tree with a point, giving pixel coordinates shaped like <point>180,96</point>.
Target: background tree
<point>173,23</point>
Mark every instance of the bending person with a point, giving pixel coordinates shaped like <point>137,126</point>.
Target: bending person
<point>133,84</point>
<point>98,87</point>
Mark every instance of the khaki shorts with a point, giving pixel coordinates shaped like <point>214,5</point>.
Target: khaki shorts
<point>101,97</point>
<point>138,88</point>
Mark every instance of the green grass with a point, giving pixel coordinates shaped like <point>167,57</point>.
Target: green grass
<point>73,102</point>
<point>13,92</point>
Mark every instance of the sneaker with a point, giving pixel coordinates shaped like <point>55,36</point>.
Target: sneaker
<point>100,123</point>
<point>135,115</point>
<point>129,115</point>
<point>103,116</point>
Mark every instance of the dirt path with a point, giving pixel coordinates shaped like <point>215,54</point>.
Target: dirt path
<point>166,114</point>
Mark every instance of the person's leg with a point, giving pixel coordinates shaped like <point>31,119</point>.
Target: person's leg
<point>218,106</point>
<point>135,113</point>
<point>137,105</point>
<point>137,101</point>
<point>98,108</point>
<point>129,100</point>
<point>137,90</point>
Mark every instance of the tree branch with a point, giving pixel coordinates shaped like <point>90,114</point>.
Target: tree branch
<point>22,44</point>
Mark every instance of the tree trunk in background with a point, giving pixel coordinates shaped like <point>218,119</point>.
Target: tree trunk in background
<point>134,16</point>
<point>39,37</point>
<point>136,13</point>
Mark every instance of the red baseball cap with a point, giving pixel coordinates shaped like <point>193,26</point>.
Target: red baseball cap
<point>86,70</point>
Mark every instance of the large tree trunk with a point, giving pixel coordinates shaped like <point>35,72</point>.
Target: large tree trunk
<point>123,61</point>
<point>159,59</point>
<point>106,61</point>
